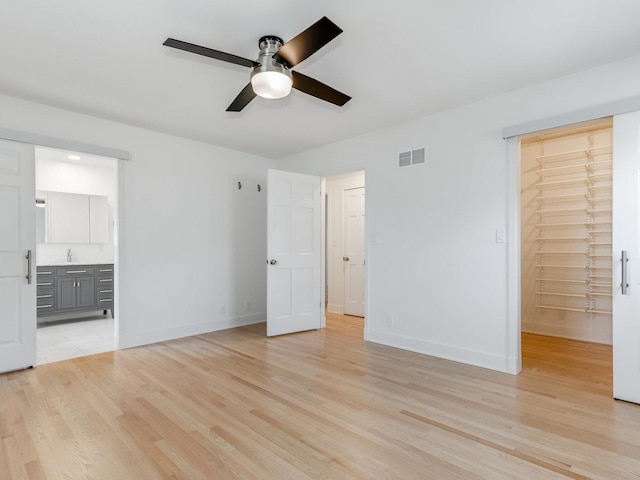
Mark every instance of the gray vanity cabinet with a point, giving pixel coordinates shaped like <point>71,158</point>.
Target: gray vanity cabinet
<point>75,292</point>
<point>75,288</point>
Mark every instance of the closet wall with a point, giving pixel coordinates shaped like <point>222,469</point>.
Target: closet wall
<point>566,233</point>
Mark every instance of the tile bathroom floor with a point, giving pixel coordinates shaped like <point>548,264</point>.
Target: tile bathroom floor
<point>79,337</point>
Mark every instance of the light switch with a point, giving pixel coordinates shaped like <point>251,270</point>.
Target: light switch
<point>501,235</point>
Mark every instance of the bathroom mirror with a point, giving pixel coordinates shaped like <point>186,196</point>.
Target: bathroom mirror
<point>71,218</point>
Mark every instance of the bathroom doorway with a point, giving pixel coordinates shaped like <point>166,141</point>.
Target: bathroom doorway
<point>76,253</point>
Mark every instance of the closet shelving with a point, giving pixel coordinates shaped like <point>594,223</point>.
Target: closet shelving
<point>573,229</point>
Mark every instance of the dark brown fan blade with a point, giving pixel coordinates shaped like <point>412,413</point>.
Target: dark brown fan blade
<point>209,52</point>
<point>242,100</point>
<point>308,42</point>
<point>318,89</point>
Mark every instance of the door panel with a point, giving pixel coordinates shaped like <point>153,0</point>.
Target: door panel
<point>626,237</point>
<point>86,292</point>
<point>17,237</point>
<point>354,251</point>
<point>66,293</point>
<point>293,251</point>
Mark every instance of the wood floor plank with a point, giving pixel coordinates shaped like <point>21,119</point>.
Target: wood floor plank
<point>323,404</point>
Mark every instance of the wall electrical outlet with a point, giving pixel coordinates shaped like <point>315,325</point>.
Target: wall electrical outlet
<point>222,310</point>
<point>388,320</point>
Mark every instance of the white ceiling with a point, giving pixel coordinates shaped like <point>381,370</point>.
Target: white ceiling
<point>398,59</point>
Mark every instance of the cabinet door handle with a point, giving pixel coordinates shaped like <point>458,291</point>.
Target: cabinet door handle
<point>107,280</point>
<point>44,296</point>
<point>71,272</point>
<point>44,306</point>
<point>44,284</point>
<point>107,300</point>
<point>106,270</point>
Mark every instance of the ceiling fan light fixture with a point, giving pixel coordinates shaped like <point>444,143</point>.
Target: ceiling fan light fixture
<point>270,79</point>
<point>271,84</point>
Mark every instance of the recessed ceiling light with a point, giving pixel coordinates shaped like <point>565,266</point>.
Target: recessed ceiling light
<point>73,157</point>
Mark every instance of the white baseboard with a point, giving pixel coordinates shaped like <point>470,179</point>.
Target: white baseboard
<point>565,331</point>
<point>155,336</point>
<point>447,352</point>
<point>332,308</point>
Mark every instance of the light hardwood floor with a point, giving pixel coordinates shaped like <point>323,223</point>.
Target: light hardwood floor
<point>316,405</point>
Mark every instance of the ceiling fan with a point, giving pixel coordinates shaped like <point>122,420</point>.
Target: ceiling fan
<point>272,76</point>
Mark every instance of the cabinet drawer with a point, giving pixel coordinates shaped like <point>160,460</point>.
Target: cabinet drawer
<point>45,297</point>
<point>44,283</point>
<point>45,272</point>
<point>46,302</point>
<point>75,271</point>
<point>105,282</point>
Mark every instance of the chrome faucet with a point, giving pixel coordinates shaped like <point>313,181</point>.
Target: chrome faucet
<point>69,255</point>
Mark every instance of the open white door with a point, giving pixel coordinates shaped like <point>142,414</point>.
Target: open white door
<point>17,242</point>
<point>293,252</point>
<point>354,251</point>
<point>626,231</point>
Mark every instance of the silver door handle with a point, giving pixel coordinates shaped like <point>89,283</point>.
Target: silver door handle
<point>624,284</point>
<point>273,261</point>
<point>345,259</point>
<point>28,257</point>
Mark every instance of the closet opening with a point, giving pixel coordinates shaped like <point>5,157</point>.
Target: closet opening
<point>345,253</point>
<point>566,251</point>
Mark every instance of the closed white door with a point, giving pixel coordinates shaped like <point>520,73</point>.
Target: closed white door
<point>626,273</point>
<point>354,252</point>
<point>293,252</point>
<point>17,241</point>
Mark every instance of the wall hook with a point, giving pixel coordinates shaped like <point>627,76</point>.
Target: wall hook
<point>239,185</point>
<point>259,188</point>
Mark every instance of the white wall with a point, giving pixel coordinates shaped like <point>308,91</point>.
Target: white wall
<point>335,187</point>
<point>437,269</point>
<point>192,242</point>
<point>90,177</point>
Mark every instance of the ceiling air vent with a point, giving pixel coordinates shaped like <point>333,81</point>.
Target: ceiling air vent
<point>412,157</point>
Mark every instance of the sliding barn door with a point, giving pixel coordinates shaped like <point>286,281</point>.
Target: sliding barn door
<point>17,256</point>
<point>626,257</point>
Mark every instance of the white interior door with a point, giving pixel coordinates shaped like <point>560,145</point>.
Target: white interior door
<point>293,252</point>
<point>626,231</point>
<point>17,240</point>
<point>354,252</point>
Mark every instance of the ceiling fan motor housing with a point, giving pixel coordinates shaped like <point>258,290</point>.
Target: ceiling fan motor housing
<point>270,70</point>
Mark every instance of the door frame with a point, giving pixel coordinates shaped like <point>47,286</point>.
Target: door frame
<point>512,135</point>
<point>334,172</point>
<point>119,156</point>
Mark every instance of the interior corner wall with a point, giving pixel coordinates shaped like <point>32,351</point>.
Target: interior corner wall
<point>335,187</point>
<point>435,266</point>
<point>193,244</point>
